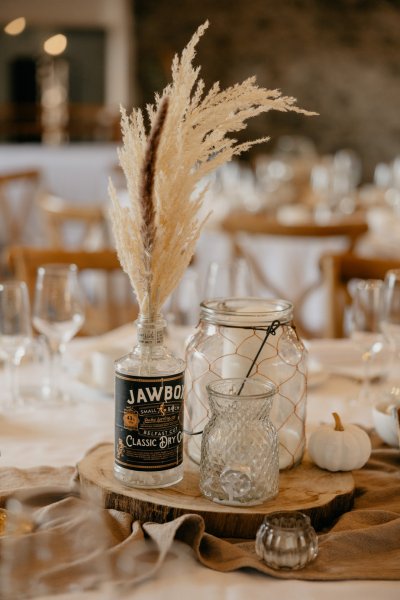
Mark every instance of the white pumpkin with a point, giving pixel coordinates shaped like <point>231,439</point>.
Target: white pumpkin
<point>339,448</point>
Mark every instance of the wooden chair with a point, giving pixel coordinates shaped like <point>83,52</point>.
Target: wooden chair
<point>18,192</point>
<point>67,224</point>
<point>110,300</point>
<point>337,270</point>
<point>349,229</point>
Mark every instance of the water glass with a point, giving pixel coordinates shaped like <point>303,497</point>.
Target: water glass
<point>365,327</point>
<point>239,464</point>
<point>15,333</point>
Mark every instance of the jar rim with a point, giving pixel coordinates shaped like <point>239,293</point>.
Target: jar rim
<point>249,310</point>
<point>303,521</point>
<point>268,387</point>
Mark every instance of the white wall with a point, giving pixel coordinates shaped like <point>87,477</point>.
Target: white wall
<point>115,16</point>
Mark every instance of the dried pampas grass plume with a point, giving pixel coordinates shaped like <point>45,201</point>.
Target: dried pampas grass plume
<point>157,233</point>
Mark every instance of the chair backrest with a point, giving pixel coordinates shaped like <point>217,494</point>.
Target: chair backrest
<point>110,300</point>
<point>296,277</point>
<point>337,270</point>
<point>71,225</point>
<point>18,192</point>
<point>351,227</point>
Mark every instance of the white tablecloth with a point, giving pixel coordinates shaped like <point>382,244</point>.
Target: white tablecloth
<point>60,436</point>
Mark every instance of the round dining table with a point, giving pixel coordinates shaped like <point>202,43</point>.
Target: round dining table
<point>35,435</point>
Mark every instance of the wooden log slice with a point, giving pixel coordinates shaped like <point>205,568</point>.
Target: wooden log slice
<point>320,494</point>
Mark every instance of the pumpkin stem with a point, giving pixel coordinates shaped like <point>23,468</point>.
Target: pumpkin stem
<point>338,422</point>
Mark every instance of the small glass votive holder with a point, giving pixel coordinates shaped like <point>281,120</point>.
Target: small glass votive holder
<point>286,540</point>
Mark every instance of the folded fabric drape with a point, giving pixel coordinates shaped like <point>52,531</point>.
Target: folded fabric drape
<point>363,543</point>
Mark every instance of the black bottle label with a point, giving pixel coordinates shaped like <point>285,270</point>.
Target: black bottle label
<point>148,422</point>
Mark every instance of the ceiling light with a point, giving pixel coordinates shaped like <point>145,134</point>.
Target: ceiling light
<point>16,26</point>
<point>55,45</point>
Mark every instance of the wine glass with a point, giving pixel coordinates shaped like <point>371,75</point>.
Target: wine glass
<point>183,307</point>
<point>229,279</point>
<point>365,327</point>
<point>58,313</point>
<point>390,315</point>
<point>15,331</point>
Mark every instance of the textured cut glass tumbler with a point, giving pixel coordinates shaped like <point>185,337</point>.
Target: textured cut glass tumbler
<point>239,463</point>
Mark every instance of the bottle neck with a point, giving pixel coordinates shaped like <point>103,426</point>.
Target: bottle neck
<point>150,332</point>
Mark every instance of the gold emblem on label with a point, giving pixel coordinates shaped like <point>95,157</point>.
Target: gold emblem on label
<point>162,409</point>
<point>131,419</point>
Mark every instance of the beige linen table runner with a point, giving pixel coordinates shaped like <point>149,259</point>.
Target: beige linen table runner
<point>363,543</point>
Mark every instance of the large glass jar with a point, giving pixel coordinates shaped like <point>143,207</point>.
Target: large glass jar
<point>249,337</point>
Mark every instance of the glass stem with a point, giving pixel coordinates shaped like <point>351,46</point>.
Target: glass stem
<point>12,398</point>
<point>11,365</point>
<point>55,368</point>
<point>365,391</point>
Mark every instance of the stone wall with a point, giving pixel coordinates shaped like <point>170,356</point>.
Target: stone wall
<point>340,58</point>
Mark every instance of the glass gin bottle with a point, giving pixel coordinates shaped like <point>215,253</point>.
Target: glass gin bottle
<point>149,385</point>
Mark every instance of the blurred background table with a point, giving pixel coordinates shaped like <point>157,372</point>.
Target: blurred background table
<point>279,236</point>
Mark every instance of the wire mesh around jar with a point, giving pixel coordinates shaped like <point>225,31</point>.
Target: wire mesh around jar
<point>218,352</point>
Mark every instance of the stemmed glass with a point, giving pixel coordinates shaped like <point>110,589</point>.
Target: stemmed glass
<point>365,326</point>
<point>390,317</point>
<point>228,280</point>
<point>15,331</point>
<point>183,307</point>
<point>58,313</point>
